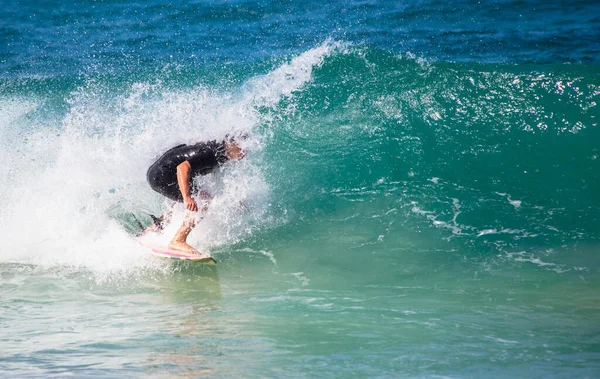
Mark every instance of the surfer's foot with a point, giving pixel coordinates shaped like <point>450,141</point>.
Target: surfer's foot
<point>183,247</point>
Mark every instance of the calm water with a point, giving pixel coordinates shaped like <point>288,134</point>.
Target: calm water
<point>421,185</point>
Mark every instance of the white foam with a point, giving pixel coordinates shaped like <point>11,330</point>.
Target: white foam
<point>12,109</point>
<point>500,340</point>
<point>514,203</point>
<point>267,254</point>
<point>522,256</point>
<point>269,89</point>
<point>78,173</point>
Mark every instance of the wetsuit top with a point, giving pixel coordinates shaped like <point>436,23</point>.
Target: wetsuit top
<point>203,157</point>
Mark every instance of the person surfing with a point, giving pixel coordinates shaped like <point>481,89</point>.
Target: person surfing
<point>172,175</point>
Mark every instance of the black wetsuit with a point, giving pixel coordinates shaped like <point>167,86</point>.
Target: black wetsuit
<point>204,157</point>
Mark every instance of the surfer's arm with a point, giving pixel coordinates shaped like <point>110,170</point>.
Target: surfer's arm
<point>183,179</point>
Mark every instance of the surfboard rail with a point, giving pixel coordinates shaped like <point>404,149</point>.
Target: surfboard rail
<point>164,252</point>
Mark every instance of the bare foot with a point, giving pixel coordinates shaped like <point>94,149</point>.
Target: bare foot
<point>183,247</point>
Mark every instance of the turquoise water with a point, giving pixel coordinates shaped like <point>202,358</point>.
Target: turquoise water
<point>421,189</point>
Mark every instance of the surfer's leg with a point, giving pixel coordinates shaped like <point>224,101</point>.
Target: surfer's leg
<point>179,241</point>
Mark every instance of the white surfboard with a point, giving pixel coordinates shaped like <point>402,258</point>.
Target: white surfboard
<point>165,252</point>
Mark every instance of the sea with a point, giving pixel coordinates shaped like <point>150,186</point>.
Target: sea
<point>420,196</point>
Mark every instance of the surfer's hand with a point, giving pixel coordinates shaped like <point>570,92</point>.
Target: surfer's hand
<point>190,204</point>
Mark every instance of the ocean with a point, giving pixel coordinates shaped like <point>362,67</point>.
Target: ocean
<point>421,192</point>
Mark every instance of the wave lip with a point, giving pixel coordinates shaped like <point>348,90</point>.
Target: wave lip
<point>267,90</point>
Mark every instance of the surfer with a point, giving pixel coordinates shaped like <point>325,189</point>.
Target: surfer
<point>172,176</point>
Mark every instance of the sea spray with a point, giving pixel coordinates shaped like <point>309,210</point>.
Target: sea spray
<point>82,189</point>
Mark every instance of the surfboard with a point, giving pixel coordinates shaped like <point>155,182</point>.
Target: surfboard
<point>165,252</point>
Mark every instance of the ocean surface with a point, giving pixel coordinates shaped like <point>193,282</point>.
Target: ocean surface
<point>421,191</point>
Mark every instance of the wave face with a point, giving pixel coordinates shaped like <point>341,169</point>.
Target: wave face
<point>498,157</point>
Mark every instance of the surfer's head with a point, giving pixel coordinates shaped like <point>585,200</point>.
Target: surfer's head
<point>233,150</point>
